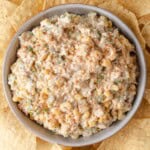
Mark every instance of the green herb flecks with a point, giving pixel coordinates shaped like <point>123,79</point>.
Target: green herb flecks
<point>113,92</point>
<point>46,110</point>
<point>60,59</point>
<point>30,32</point>
<point>30,48</point>
<point>100,77</point>
<point>99,35</point>
<point>117,81</point>
<point>100,98</point>
<point>46,46</point>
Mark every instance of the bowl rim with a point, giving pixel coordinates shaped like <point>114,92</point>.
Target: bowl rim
<point>137,99</point>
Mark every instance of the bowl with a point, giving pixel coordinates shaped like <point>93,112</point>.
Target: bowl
<point>40,131</point>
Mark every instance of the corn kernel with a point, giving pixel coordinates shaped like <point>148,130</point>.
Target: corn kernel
<point>53,124</point>
<point>107,104</point>
<point>84,123</point>
<point>120,105</point>
<point>108,94</point>
<point>55,111</point>
<point>120,115</point>
<point>68,118</point>
<point>99,91</point>
<point>103,119</point>
<point>60,82</point>
<point>65,106</point>
<point>112,55</point>
<point>92,121</point>
<point>100,120</point>
<point>78,97</point>
<point>76,114</point>
<point>115,87</point>
<point>44,94</point>
<point>17,99</point>
<point>107,63</point>
<point>47,71</point>
<point>86,115</point>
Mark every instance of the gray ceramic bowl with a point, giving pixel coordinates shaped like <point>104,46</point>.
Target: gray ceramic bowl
<point>39,130</point>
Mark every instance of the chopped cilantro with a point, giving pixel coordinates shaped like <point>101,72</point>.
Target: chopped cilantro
<point>60,59</point>
<point>100,98</point>
<point>113,91</point>
<point>117,81</point>
<point>100,78</point>
<point>37,111</point>
<point>46,109</point>
<point>30,33</point>
<point>99,34</point>
<point>46,45</point>
<point>30,48</point>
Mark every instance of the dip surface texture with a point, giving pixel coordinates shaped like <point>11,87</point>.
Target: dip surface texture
<point>74,74</point>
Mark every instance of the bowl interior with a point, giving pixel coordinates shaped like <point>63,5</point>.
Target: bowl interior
<point>39,130</point>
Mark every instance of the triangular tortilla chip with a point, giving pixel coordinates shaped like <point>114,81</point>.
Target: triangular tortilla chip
<point>139,7</point>
<point>14,136</point>
<point>26,10</point>
<point>135,136</point>
<point>18,2</point>
<point>144,19</point>
<point>146,33</point>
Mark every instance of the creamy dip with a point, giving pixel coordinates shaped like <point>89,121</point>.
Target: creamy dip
<point>74,74</point>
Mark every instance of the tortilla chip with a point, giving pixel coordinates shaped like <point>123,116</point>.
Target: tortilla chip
<point>18,2</point>
<point>147,90</point>
<point>148,78</point>
<point>26,10</point>
<point>6,9</point>
<point>95,146</point>
<point>83,148</point>
<point>42,145</point>
<point>44,5</point>
<point>146,33</point>
<point>139,7</point>
<point>4,38</point>
<point>147,97</point>
<point>96,2</point>
<point>6,34</point>
<point>60,147</point>
<point>135,136</point>
<point>128,17</point>
<point>51,3</point>
<point>89,2</point>
<point>14,136</point>
<point>144,110</point>
<point>147,57</point>
<point>3,102</point>
<point>144,20</point>
<point>48,4</point>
